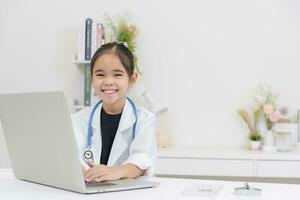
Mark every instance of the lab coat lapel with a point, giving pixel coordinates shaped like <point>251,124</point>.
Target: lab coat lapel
<point>123,135</point>
<point>96,138</point>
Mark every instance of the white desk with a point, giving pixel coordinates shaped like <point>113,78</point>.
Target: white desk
<point>11,188</point>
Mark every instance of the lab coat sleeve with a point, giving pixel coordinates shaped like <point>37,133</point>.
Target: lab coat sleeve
<point>143,150</point>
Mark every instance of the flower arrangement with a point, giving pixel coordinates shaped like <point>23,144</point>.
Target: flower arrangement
<point>122,31</point>
<point>266,102</point>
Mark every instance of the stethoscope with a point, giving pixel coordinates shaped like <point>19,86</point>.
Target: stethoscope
<point>247,190</point>
<point>88,153</point>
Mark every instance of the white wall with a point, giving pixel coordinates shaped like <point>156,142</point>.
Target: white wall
<point>201,58</point>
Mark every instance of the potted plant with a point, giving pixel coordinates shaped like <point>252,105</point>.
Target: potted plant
<point>121,30</point>
<point>251,121</point>
<point>255,140</point>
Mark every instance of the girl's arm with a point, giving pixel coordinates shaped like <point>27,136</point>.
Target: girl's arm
<point>104,173</point>
<point>131,171</point>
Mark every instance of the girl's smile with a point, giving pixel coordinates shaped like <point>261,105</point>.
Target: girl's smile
<point>109,91</point>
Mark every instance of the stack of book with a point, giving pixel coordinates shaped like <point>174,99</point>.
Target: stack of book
<point>90,37</point>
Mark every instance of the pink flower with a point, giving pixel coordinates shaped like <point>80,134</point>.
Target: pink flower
<point>274,116</point>
<point>283,110</point>
<point>268,108</point>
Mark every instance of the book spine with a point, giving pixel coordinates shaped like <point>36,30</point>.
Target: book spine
<point>88,38</point>
<point>100,35</point>
<point>87,85</point>
<point>87,56</point>
<point>94,39</point>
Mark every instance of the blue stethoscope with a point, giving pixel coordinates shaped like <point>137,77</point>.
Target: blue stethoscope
<point>88,153</point>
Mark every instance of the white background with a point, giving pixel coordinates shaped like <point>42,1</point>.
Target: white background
<point>203,59</point>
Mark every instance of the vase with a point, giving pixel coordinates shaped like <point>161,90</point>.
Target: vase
<point>254,145</point>
<point>269,144</point>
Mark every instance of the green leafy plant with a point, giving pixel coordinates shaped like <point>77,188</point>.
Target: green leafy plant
<point>122,31</point>
<point>254,136</point>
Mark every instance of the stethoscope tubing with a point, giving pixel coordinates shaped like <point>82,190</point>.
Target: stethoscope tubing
<point>88,154</point>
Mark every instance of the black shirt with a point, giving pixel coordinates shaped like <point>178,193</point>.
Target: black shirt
<point>109,127</point>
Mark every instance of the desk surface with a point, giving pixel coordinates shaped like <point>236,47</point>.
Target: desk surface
<point>11,188</point>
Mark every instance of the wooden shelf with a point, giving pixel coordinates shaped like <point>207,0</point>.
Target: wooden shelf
<point>81,61</point>
<point>78,106</point>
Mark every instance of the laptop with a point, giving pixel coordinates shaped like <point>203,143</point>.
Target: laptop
<point>42,147</point>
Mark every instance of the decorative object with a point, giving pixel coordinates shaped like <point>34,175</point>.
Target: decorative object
<point>266,101</point>
<point>283,141</point>
<point>163,139</point>
<point>120,29</point>
<point>255,139</point>
<point>254,136</point>
<point>254,145</point>
<point>153,105</point>
<point>268,141</point>
<point>289,139</point>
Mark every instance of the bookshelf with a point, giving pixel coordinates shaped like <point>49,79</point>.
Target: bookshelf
<point>81,62</point>
<point>87,84</point>
<point>91,36</point>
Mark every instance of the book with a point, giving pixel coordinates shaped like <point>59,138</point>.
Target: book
<point>97,36</point>
<point>100,36</point>
<point>87,84</point>
<point>87,56</point>
<point>94,39</point>
<point>88,38</point>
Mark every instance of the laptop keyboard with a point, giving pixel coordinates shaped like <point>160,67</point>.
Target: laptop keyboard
<point>100,184</point>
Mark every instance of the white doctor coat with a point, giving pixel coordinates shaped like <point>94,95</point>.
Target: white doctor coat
<point>141,151</point>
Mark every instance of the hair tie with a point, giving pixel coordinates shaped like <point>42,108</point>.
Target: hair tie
<point>122,42</point>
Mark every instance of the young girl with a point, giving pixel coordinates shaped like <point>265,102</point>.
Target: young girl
<point>116,139</point>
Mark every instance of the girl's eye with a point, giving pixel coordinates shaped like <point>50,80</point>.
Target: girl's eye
<point>118,74</point>
<point>99,75</point>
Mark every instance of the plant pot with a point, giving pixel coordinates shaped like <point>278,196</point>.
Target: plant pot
<point>254,145</point>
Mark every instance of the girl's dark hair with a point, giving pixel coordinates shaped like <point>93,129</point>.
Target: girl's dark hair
<point>119,50</point>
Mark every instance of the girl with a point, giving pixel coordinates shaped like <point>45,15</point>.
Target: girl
<point>116,139</point>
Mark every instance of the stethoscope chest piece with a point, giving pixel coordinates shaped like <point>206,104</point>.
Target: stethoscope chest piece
<point>247,190</point>
<point>88,154</point>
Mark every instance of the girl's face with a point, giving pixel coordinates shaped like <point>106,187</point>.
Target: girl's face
<point>111,82</point>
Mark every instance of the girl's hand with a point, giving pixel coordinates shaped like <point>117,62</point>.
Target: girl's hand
<point>83,169</point>
<point>100,173</point>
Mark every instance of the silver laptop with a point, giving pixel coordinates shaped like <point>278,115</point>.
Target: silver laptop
<point>42,147</point>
